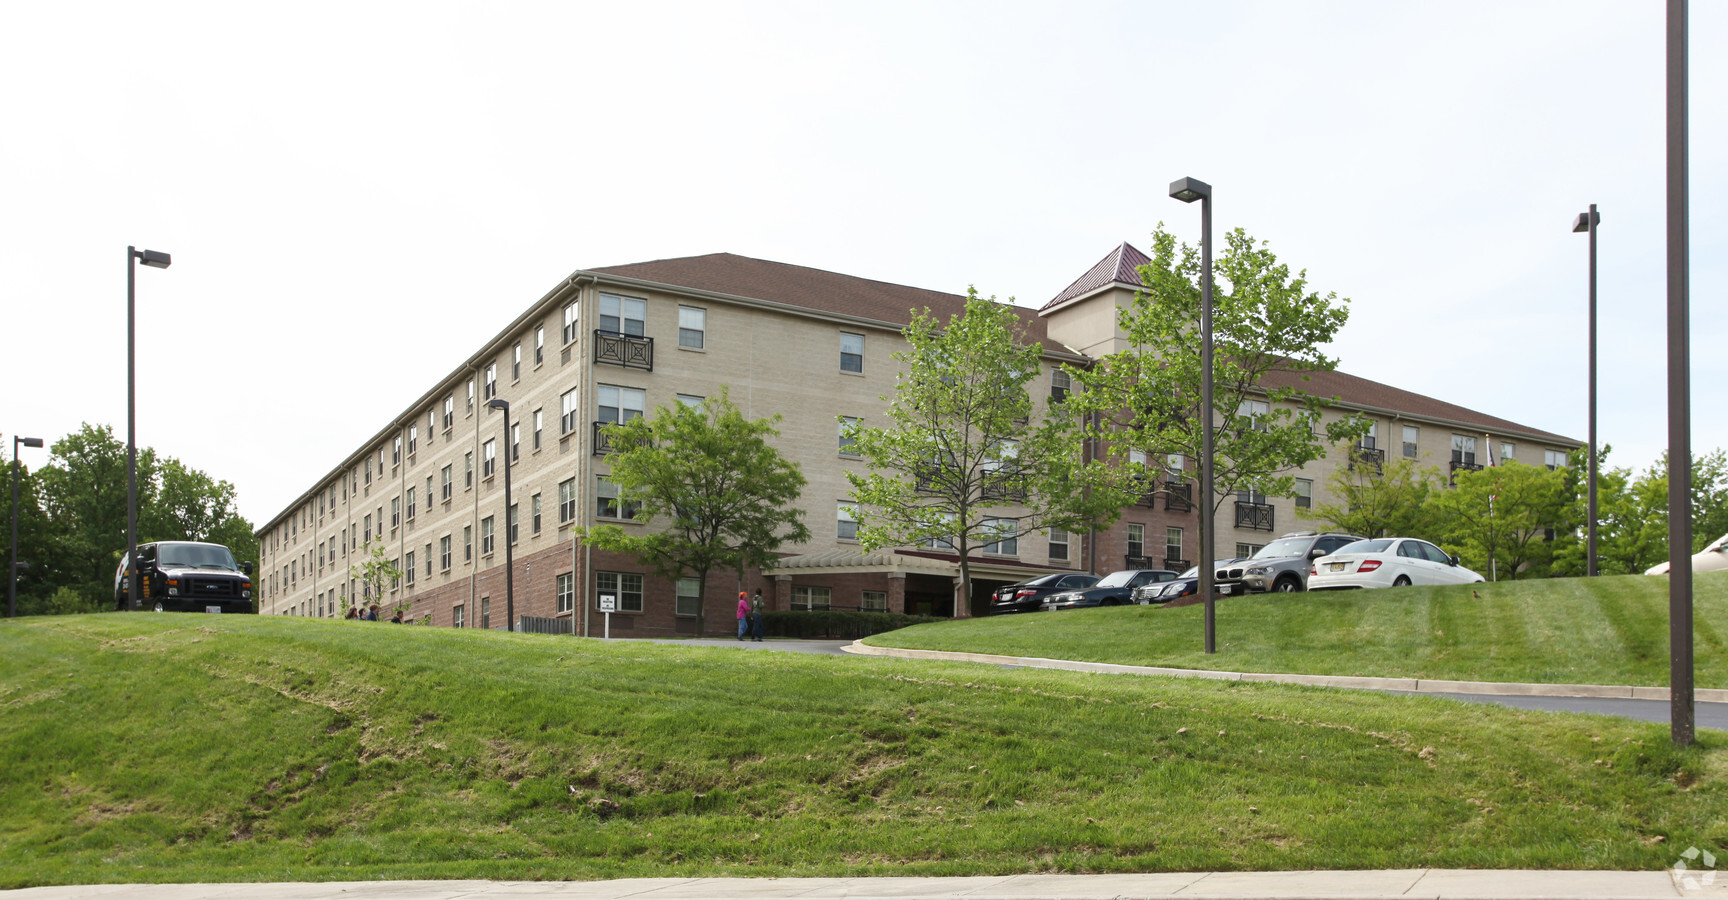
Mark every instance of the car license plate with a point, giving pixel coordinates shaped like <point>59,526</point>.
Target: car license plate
<point>214,609</point>
<point>1335,567</point>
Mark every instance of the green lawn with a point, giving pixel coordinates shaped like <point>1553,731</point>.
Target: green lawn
<point>1611,630</point>
<point>236,748</point>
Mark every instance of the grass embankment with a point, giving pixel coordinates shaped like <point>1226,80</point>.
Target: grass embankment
<point>229,748</point>
<point>1610,630</point>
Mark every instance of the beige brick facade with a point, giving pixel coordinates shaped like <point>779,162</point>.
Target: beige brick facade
<point>770,334</point>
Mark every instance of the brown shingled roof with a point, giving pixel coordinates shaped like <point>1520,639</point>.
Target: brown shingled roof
<point>761,279</point>
<point>1119,266</point>
<point>1373,395</point>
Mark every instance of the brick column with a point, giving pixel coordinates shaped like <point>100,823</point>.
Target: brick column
<point>897,592</point>
<point>782,598</point>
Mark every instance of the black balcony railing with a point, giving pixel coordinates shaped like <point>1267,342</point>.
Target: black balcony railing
<point>602,438</point>
<point>1256,516</point>
<point>1009,486</point>
<point>628,350</point>
<point>1176,565</point>
<point>1368,458</point>
<point>1178,497</point>
<point>1139,562</point>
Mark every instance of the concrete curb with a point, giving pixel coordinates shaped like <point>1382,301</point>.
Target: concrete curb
<point>1414,685</point>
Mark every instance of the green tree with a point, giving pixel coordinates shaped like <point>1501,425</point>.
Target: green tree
<point>38,553</point>
<point>83,489</point>
<point>1390,502</point>
<point>725,493</point>
<point>1632,513</point>
<point>376,572</point>
<point>965,459</point>
<point>1267,331</point>
<point>1498,518</point>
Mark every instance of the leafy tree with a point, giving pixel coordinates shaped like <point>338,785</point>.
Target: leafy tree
<point>38,553</point>
<point>1632,513</point>
<point>83,490</point>
<point>726,494</point>
<point>1498,517</point>
<point>964,460</point>
<point>1392,502</point>
<point>1267,331</point>
<point>376,572</point>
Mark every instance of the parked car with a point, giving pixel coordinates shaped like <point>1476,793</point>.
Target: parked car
<point>1283,565</point>
<point>1387,562</point>
<point>1025,596</point>
<point>1185,584</point>
<point>187,576</point>
<point>1114,589</point>
<point>1710,559</point>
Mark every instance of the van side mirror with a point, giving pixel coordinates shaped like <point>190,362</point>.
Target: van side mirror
<point>247,568</point>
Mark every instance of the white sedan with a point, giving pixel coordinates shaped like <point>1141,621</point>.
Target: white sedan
<point>1387,562</point>
<point>1709,559</point>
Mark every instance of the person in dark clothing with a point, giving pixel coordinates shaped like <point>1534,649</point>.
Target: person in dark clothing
<point>756,610</point>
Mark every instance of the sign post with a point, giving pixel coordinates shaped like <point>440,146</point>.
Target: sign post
<point>608,604</point>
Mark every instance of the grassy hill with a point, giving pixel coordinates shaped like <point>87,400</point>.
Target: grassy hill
<point>145,747</point>
<point>1609,630</point>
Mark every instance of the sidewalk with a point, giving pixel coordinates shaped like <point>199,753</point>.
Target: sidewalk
<point>1440,884</point>
<point>1414,685</point>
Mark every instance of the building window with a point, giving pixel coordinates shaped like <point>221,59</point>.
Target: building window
<point>449,411</point>
<point>413,445</point>
<point>690,400</point>
<point>513,522</point>
<point>1243,551</point>
<point>409,568</point>
<point>566,501</point>
<point>488,458</point>
<point>623,315</point>
<point>689,599</point>
<point>456,616</point>
<point>444,553</point>
<point>1411,434</point>
<point>1370,438</point>
<point>468,470</point>
<point>606,504</point>
<point>1058,544</point>
<point>1508,450</point>
<point>568,403</point>
<point>1463,450</point>
<point>486,536</point>
<point>805,596</point>
<point>539,345</point>
<point>848,427</point>
<point>467,543</point>
<point>534,513</point>
<point>1060,384</point>
<point>566,592</point>
<point>516,362</point>
<point>444,483</point>
<point>851,352</point>
<point>848,530</point>
<point>485,612</point>
<point>1007,543</point>
<point>491,380</point>
<point>470,396</point>
<point>368,469</point>
<point>515,441</point>
<point>539,423</point>
<point>570,320</point>
<point>1172,542</point>
<point>1304,493</point>
<point>1254,412</point>
<point>1136,540</point>
<point>620,404</point>
<point>874,601</point>
<point>396,452</point>
<point>1554,459</point>
<point>625,586</point>
<point>1251,494</point>
<point>428,558</point>
<point>691,324</point>
<point>368,531</point>
<point>410,504</point>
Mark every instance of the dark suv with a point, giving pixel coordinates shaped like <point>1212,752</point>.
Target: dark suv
<point>1282,566</point>
<point>1025,596</point>
<point>1114,589</point>
<point>186,576</point>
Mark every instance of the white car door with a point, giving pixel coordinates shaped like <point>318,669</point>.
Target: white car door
<point>1444,571</point>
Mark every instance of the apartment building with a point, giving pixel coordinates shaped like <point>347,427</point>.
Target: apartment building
<point>610,344</point>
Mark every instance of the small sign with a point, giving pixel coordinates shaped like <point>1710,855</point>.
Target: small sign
<point>608,602</point>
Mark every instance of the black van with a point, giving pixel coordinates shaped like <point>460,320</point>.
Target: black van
<point>186,576</point>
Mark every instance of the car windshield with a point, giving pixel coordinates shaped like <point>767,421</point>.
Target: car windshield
<point>1374,546</point>
<point>204,556</point>
<point>1116,579</point>
<point>1283,548</point>
<point>1191,573</point>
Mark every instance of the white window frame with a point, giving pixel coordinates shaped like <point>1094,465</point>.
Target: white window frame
<point>692,327</point>
<point>852,339</point>
<point>1008,545</point>
<point>812,596</point>
<point>618,399</point>
<point>687,598</point>
<point>847,513</point>
<point>566,592</point>
<point>626,586</point>
<point>629,315</point>
<point>1059,540</point>
<point>572,319</point>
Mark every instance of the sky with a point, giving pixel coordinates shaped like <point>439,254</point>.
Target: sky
<point>358,195</point>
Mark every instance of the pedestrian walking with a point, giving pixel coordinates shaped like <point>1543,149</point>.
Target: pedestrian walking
<point>756,610</point>
<point>743,613</point>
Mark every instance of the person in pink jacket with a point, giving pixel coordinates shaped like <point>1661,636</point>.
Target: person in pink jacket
<point>743,613</point>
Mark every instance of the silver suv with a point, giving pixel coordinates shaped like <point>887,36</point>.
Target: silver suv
<point>1282,565</point>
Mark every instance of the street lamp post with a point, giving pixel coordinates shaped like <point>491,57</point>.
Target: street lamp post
<point>155,260</point>
<point>12,577</point>
<point>1681,710</point>
<point>509,520</point>
<point>1588,222</point>
<point>1189,190</point>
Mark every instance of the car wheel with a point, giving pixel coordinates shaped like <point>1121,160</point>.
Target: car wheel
<point>1402,581</point>
<point>1287,586</point>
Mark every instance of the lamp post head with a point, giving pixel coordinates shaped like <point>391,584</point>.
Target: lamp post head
<point>28,442</point>
<point>155,259</point>
<point>1584,221</point>
<point>1189,190</point>
<point>498,403</point>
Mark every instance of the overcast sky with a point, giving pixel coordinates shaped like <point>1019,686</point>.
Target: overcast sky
<point>357,195</point>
